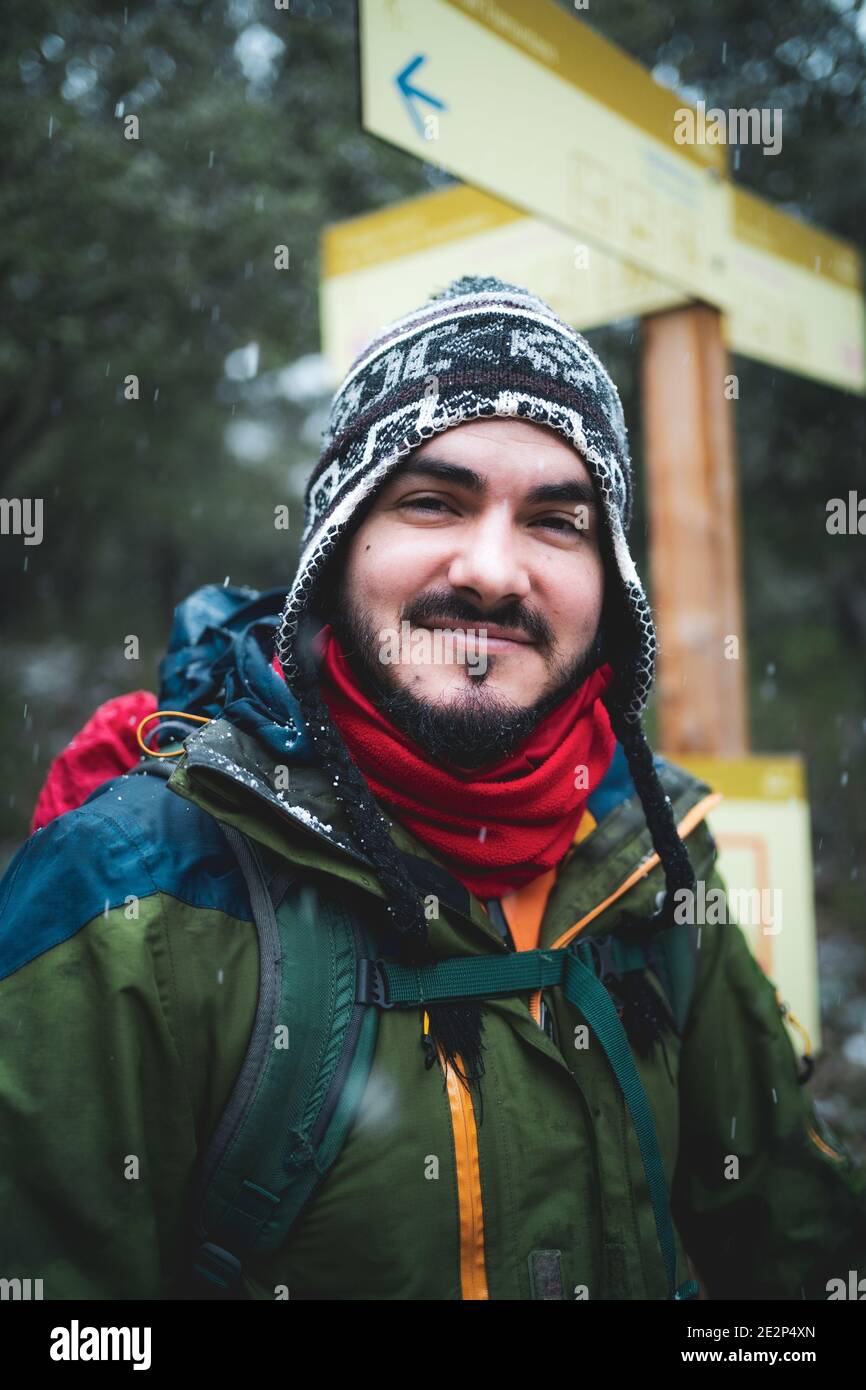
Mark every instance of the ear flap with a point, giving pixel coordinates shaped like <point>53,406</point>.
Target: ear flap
<point>619,635</point>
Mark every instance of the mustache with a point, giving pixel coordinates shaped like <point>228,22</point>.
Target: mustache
<point>425,609</point>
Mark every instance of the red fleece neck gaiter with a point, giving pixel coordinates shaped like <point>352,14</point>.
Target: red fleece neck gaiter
<point>496,829</point>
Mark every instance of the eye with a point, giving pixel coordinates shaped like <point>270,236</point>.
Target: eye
<point>425,503</point>
<point>564,525</point>
<point>560,523</point>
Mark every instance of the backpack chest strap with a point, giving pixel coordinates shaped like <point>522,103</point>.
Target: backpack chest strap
<point>580,969</point>
<point>389,985</point>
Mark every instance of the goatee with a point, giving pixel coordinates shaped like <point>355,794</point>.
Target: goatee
<point>475,727</point>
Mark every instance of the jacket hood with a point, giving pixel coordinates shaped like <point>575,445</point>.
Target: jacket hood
<point>218,665</point>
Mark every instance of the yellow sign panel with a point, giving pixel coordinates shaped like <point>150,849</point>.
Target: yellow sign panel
<point>765,857</point>
<point>584,149</point>
<point>378,267</point>
<point>796,296</point>
<point>526,103</point>
<point>797,300</point>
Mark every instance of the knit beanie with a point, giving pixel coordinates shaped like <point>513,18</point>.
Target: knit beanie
<point>480,347</point>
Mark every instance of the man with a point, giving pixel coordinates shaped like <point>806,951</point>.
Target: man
<point>384,993</point>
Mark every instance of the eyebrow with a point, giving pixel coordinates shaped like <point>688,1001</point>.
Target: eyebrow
<point>569,490</point>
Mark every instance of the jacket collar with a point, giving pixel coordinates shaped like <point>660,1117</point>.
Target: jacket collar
<point>253,766</point>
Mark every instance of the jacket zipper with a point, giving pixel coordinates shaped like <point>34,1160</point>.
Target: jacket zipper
<point>822,1145</point>
<point>473,1274</point>
<point>692,818</point>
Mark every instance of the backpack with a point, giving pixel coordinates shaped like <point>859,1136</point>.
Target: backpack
<point>320,976</point>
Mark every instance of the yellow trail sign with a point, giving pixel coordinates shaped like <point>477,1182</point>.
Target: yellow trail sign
<point>521,100</point>
<point>761,828</point>
<point>797,301</point>
<point>796,296</point>
<point>376,267</point>
<point>600,208</point>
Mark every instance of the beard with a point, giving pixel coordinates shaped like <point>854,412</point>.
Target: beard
<point>477,725</point>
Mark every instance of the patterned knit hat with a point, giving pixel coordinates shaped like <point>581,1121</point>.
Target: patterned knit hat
<point>480,347</point>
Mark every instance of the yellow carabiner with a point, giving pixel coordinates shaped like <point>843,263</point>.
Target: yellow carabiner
<point>157,714</point>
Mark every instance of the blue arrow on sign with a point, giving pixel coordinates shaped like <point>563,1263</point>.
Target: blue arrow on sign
<point>412,94</point>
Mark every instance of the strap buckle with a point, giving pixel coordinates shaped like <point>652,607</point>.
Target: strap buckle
<point>602,949</point>
<point>608,973</point>
<point>372,986</point>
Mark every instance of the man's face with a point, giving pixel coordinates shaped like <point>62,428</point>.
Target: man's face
<point>491,523</point>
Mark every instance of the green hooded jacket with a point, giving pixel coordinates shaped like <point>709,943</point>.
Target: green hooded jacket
<point>129,975</point>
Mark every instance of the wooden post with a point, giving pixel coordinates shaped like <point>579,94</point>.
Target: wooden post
<point>692,501</point>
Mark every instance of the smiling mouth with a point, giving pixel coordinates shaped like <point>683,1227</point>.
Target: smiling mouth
<point>492,635</point>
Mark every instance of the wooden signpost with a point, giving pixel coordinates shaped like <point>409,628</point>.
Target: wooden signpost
<point>580,186</point>
<point>586,149</point>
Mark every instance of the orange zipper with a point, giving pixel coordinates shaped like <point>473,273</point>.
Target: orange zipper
<point>687,824</point>
<point>825,1148</point>
<point>473,1274</point>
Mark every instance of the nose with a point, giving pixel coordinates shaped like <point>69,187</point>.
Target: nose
<point>489,563</point>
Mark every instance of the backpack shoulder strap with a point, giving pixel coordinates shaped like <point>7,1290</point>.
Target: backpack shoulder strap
<point>308,1060</point>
